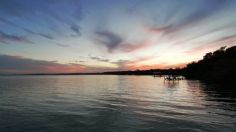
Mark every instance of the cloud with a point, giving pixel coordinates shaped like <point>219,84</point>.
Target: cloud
<point>99,59</point>
<point>62,45</point>
<point>136,46</point>
<point>159,66</point>
<point>7,38</point>
<point>139,64</point>
<point>206,9</point>
<point>155,29</point>
<point>114,42</point>
<point>200,10</point>
<point>79,61</point>
<point>46,14</point>
<point>72,17</point>
<point>20,65</point>
<point>16,64</point>
<point>76,29</point>
<point>212,45</point>
<point>227,40</point>
<point>47,36</point>
<point>109,39</point>
<point>131,64</point>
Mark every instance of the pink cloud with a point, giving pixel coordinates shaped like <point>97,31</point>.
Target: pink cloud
<point>211,46</point>
<point>17,64</point>
<point>154,29</point>
<point>137,46</point>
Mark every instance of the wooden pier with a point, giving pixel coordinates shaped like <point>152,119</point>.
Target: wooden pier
<point>168,77</point>
<point>173,78</point>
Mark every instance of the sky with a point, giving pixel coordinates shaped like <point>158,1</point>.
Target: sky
<point>65,36</point>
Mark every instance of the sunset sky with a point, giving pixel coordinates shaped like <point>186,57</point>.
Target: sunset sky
<point>62,36</point>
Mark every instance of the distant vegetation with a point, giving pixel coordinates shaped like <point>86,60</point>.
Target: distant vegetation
<point>217,66</point>
<point>147,72</point>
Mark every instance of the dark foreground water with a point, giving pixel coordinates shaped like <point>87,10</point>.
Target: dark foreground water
<point>113,104</point>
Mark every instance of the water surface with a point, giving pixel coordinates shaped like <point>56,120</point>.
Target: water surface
<point>113,104</point>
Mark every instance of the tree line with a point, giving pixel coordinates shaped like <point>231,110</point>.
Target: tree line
<point>217,66</point>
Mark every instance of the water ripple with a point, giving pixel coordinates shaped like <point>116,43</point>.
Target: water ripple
<point>113,104</point>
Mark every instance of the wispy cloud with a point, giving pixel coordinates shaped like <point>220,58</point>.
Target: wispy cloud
<point>130,47</point>
<point>99,59</point>
<point>109,39</point>
<point>8,38</point>
<point>62,45</point>
<point>205,9</point>
<point>20,65</point>
<point>49,11</point>
<point>212,45</point>
<point>114,42</point>
<point>17,64</point>
<point>47,36</point>
<point>76,29</point>
<point>131,64</point>
<point>227,40</point>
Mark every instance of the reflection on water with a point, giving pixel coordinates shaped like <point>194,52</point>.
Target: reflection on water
<point>113,104</point>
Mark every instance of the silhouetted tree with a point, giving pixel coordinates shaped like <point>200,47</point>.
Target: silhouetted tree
<point>217,66</point>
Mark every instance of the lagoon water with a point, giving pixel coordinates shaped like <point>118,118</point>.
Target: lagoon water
<point>107,103</point>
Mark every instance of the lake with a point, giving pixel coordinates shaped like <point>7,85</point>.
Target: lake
<point>110,103</point>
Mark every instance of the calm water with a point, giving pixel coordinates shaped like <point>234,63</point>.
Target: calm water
<point>112,104</point>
